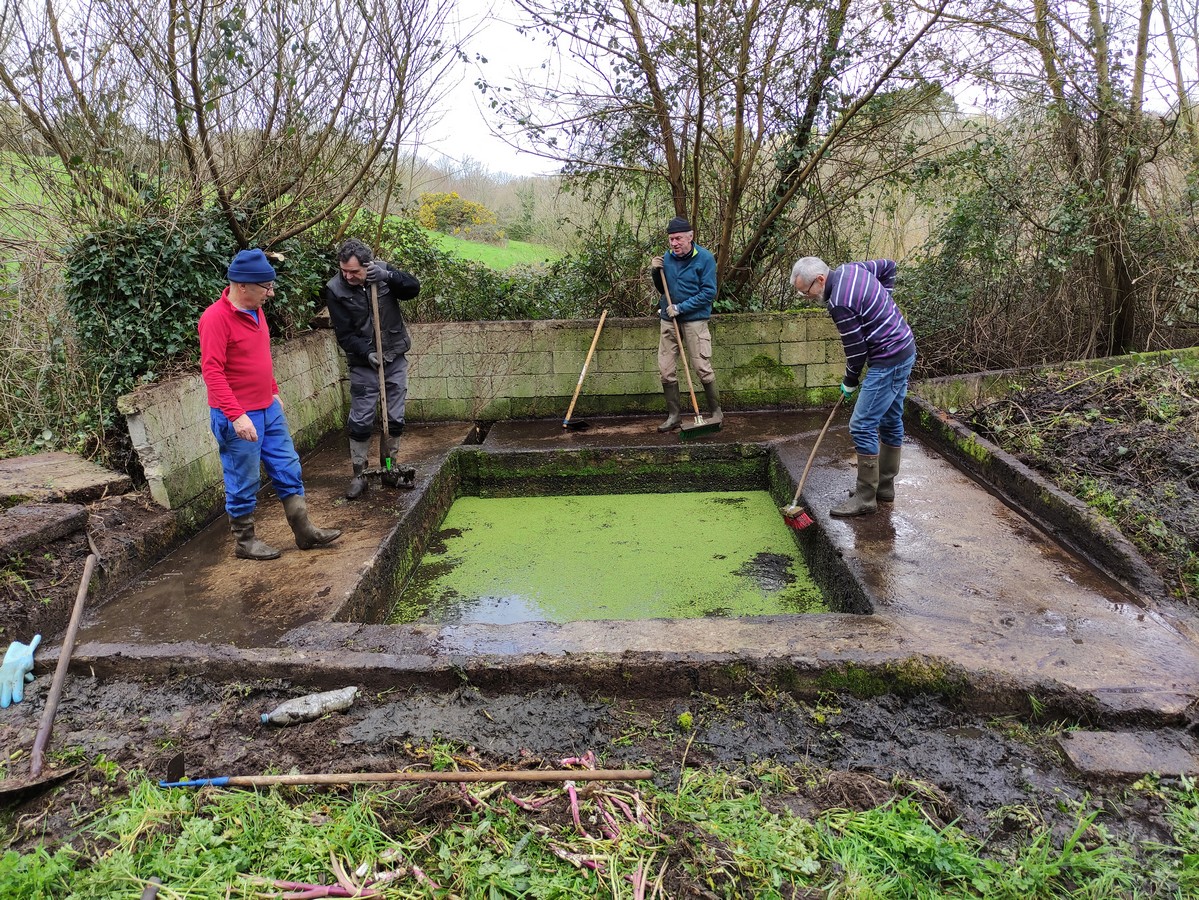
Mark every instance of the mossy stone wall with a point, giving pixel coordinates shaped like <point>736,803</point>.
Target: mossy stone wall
<point>467,371</point>
<point>500,370</point>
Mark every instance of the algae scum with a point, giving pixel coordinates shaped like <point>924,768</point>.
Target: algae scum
<point>616,556</point>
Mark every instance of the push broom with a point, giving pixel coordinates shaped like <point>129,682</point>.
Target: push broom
<point>794,514</point>
<point>578,424</point>
<point>687,432</point>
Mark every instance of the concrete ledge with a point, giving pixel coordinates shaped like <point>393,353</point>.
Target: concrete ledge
<point>1067,518</point>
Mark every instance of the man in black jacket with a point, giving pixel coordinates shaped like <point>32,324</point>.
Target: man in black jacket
<point>347,295</point>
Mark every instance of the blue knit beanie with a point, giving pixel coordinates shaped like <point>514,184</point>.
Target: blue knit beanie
<point>677,225</point>
<point>250,267</point>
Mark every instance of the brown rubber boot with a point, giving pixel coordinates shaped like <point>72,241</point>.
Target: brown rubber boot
<point>307,534</point>
<point>673,407</point>
<point>888,468</point>
<point>715,414</point>
<point>862,502</point>
<point>247,545</point>
<point>359,454</point>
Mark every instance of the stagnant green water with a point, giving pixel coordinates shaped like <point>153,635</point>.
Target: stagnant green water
<point>617,556</point>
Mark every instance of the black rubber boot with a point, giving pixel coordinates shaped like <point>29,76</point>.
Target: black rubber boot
<point>715,413</point>
<point>862,502</point>
<point>673,406</point>
<point>247,545</point>
<point>307,534</point>
<point>359,454</point>
<point>888,468</point>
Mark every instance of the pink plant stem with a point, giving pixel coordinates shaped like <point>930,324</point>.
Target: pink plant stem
<point>421,876</point>
<point>574,808</point>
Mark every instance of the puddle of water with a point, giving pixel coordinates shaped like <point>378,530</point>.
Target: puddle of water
<point>621,556</point>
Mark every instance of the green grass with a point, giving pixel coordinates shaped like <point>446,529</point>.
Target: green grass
<point>726,833</point>
<point>514,253</point>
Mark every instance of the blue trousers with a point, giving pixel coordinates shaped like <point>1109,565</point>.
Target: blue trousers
<point>879,410</point>
<point>241,460</point>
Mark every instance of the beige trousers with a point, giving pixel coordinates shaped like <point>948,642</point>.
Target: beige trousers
<point>699,351</point>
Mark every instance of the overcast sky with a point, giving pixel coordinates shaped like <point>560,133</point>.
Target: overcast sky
<point>461,130</point>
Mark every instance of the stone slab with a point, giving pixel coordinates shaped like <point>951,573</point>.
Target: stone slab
<point>60,476</point>
<point>31,526</point>
<point>1130,754</point>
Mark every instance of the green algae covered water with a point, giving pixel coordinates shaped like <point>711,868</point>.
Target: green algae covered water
<point>616,556</point>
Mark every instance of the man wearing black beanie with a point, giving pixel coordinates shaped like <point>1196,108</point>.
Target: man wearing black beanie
<point>690,272</point>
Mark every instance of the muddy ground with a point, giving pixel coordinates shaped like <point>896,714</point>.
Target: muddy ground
<point>995,777</point>
<point>1135,434</point>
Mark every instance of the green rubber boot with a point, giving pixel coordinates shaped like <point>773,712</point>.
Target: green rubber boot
<point>862,501</point>
<point>673,407</point>
<point>888,468</point>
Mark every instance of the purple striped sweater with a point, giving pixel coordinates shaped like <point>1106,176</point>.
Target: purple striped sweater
<point>873,330</point>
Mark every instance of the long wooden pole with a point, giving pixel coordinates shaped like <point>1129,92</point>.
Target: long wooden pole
<point>60,673</point>
<point>586,363</point>
<point>388,777</point>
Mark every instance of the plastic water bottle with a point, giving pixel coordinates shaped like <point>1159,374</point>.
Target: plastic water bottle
<point>310,706</point>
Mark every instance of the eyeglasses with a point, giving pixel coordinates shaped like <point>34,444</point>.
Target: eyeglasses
<point>811,284</point>
<point>265,285</point>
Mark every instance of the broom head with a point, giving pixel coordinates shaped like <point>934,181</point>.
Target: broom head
<point>575,425</point>
<point>699,427</point>
<point>796,517</point>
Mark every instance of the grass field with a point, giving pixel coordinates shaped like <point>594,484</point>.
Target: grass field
<point>515,253</point>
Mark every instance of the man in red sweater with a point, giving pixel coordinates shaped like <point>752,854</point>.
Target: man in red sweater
<point>244,409</point>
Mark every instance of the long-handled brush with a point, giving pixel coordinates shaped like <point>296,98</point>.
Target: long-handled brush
<point>794,514</point>
<point>405,475</point>
<point>687,432</point>
<point>578,424</point>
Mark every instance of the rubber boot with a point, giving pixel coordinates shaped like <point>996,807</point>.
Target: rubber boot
<point>307,534</point>
<point>862,502</point>
<point>715,413</point>
<point>394,475</point>
<point>359,454</point>
<point>673,406</point>
<point>888,468</point>
<point>248,546</point>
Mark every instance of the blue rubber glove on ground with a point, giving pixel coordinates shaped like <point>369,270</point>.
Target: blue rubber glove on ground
<point>16,670</point>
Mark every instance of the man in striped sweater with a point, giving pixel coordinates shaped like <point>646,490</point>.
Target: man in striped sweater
<point>875,335</point>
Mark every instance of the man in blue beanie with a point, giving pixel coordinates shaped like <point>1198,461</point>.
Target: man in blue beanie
<point>245,413</point>
<point>690,273</point>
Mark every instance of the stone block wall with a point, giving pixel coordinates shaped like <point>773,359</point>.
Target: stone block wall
<point>500,370</point>
<point>168,423</point>
<point>468,371</point>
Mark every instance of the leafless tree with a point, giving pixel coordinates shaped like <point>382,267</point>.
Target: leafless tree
<point>279,112</point>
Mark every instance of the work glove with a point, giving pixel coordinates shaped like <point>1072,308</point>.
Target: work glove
<point>376,270</point>
<point>16,670</point>
<point>847,390</point>
<point>672,310</point>
<point>656,262</point>
<point>373,357</point>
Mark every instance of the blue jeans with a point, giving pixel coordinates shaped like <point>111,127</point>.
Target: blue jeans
<point>240,460</point>
<point>879,410</point>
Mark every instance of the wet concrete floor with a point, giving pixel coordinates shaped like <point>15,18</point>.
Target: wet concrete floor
<point>954,576</point>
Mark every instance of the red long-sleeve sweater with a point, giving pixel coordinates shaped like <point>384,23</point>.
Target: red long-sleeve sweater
<point>235,359</point>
